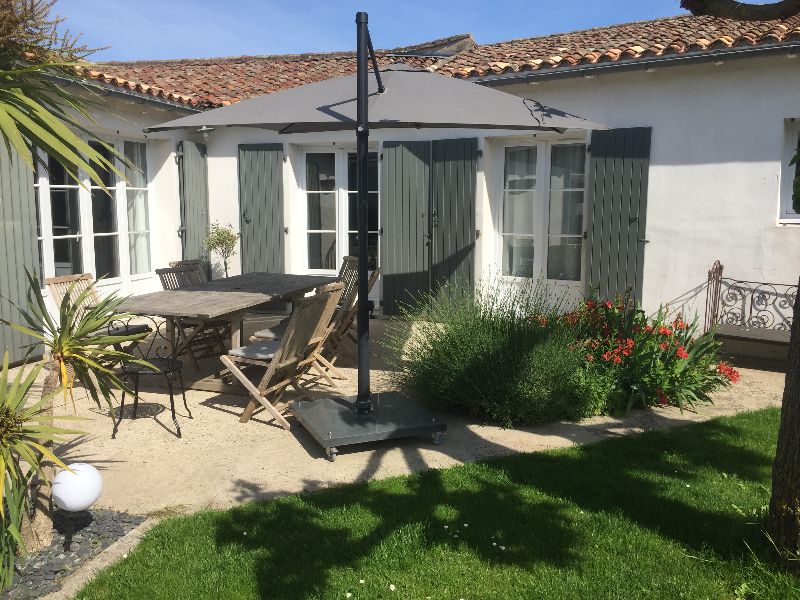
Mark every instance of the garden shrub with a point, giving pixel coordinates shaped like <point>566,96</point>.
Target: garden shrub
<point>511,355</point>
<point>486,356</point>
<point>652,360</point>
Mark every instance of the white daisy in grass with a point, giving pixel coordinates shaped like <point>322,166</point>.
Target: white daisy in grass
<point>348,595</point>
<point>392,587</point>
<point>360,581</point>
<point>447,526</point>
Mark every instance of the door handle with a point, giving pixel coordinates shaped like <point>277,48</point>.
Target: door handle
<point>181,231</point>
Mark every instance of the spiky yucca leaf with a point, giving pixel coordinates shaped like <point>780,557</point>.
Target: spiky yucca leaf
<point>78,338</point>
<point>26,431</point>
<point>37,112</point>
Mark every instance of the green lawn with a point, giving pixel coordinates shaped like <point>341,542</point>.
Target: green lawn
<point>668,514</point>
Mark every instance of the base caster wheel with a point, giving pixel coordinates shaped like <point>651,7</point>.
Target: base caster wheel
<point>437,437</point>
<point>332,453</point>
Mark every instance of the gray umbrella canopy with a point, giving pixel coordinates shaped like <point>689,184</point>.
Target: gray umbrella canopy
<point>413,98</point>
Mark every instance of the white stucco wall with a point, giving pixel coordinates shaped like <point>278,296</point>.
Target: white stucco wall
<point>718,144</point>
<point>719,138</point>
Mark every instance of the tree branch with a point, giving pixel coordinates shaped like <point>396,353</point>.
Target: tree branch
<point>743,11</point>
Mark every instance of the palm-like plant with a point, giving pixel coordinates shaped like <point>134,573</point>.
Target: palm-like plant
<point>81,339</point>
<point>37,110</point>
<point>26,431</point>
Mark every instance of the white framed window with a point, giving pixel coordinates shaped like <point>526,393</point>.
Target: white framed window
<point>788,172</point>
<point>83,228</point>
<point>137,208</point>
<point>542,213</point>
<point>332,208</point>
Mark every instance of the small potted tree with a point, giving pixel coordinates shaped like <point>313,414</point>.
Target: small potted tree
<point>222,241</point>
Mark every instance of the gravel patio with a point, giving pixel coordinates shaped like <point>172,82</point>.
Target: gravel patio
<point>220,462</point>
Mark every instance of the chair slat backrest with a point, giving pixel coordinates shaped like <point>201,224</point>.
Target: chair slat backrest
<point>307,329</point>
<point>76,284</point>
<point>347,314</point>
<point>348,276</point>
<point>196,263</point>
<point>175,278</point>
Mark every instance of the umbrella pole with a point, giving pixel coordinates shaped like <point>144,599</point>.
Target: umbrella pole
<point>364,398</point>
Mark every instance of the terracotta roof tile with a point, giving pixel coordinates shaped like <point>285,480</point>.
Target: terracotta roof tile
<point>210,82</point>
<point>628,41</point>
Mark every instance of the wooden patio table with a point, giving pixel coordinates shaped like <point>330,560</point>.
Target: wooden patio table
<point>221,299</point>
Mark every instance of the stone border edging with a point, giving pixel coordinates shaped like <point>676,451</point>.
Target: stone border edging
<point>74,582</point>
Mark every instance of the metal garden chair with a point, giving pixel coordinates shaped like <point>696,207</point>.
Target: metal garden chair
<point>204,340</point>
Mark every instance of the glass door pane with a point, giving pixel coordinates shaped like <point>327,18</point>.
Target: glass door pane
<point>321,203</point>
<point>373,207</point>
<point>65,216</point>
<point>104,218</point>
<point>519,206</point>
<point>565,227</point>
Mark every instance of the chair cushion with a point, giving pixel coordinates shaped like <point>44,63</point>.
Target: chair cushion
<point>122,329</point>
<point>128,329</point>
<point>272,333</point>
<point>259,351</point>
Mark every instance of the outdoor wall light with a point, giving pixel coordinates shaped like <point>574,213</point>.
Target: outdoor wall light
<point>204,131</point>
<point>79,489</point>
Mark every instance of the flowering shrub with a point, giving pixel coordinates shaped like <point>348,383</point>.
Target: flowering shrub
<point>652,361</point>
<point>518,359</point>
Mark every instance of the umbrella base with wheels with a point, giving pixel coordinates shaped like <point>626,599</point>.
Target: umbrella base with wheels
<point>334,422</point>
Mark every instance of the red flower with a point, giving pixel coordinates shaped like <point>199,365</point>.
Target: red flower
<point>617,360</point>
<point>663,345</point>
<point>681,352</point>
<point>590,304</point>
<point>607,355</point>
<point>648,329</point>
<point>664,331</point>
<point>626,352</point>
<point>662,398</point>
<point>589,358</point>
<point>729,372</point>
<point>608,304</point>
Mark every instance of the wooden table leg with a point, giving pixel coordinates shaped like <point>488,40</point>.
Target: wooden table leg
<point>236,329</point>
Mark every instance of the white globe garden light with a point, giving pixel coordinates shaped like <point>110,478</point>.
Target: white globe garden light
<point>77,490</point>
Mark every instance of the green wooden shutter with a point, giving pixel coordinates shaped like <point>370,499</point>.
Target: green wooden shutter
<point>261,207</point>
<point>405,194</point>
<point>619,164</point>
<point>193,178</point>
<point>454,172</point>
<point>19,248</point>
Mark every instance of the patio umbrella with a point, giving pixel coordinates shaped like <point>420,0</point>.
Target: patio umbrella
<point>413,98</point>
<point>398,96</point>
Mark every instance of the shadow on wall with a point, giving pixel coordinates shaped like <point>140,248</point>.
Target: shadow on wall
<point>689,304</point>
<point>532,497</point>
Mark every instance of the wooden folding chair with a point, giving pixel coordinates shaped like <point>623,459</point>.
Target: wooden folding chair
<point>287,359</point>
<point>343,327</point>
<point>201,338</point>
<point>348,277</point>
<point>197,264</point>
<point>76,285</point>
